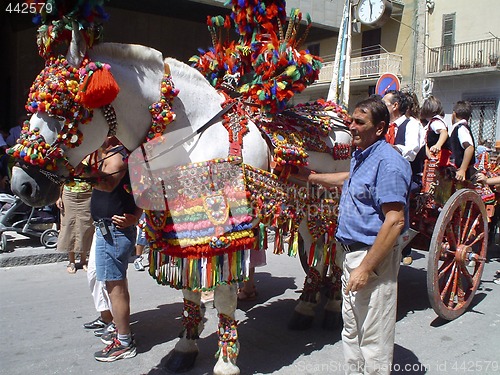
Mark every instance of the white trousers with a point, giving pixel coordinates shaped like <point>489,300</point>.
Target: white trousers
<point>370,315</point>
<point>97,288</point>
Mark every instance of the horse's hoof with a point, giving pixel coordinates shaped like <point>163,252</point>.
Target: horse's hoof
<point>300,322</point>
<point>332,320</point>
<point>227,367</point>
<point>180,361</point>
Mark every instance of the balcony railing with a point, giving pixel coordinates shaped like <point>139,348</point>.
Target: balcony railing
<point>470,55</point>
<point>364,67</point>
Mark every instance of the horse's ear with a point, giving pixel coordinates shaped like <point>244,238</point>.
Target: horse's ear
<point>77,47</point>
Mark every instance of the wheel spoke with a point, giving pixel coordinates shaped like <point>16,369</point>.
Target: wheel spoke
<point>464,290</point>
<point>467,275</point>
<point>480,237</point>
<point>445,267</point>
<point>451,237</point>
<point>472,231</point>
<point>465,214</point>
<point>448,284</point>
<point>451,300</point>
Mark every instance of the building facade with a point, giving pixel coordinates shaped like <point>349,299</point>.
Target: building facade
<point>447,48</point>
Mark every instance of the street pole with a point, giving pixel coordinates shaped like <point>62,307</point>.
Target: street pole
<point>340,84</point>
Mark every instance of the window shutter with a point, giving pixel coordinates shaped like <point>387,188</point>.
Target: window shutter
<point>448,29</point>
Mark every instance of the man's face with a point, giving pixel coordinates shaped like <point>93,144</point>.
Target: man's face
<point>364,132</point>
<point>392,107</point>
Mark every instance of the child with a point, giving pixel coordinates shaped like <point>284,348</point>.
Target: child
<point>437,134</point>
<point>461,141</point>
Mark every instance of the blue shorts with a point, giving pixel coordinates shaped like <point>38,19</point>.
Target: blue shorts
<point>112,252</point>
<point>141,237</point>
<point>141,234</point>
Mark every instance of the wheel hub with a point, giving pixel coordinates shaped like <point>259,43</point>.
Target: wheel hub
<point>462,253</point>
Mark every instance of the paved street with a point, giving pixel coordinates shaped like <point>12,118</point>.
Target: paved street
<point>43,308</point>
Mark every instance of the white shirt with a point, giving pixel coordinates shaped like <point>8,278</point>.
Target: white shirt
<point>414,138</point>
<point>463,134</point>
<point>437,125</point>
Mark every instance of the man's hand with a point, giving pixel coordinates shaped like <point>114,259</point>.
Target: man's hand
<point>124,221</point>
<point>302,173</point>
<point>460,175</point>
<point>358,279</point>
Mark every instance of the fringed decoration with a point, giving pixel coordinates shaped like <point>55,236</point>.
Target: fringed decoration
<point>295,244</point>
<point>228,338</point>
<point>312,285</point>
<point>262,236</point>
<point>191,319</point>
<point>201,274</point>
<point>99,87</point>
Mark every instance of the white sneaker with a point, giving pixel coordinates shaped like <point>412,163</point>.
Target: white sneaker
<point>138,264</point>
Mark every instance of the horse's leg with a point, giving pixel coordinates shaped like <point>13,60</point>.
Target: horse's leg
<point>303,314</point>
<point>184,354</point>
<point>225,302</point>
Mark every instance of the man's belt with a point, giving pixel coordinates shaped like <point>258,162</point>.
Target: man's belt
<point>356,246</point>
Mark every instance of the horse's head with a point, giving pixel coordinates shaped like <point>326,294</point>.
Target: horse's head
<point>47,149</point>
<point>74,105</point>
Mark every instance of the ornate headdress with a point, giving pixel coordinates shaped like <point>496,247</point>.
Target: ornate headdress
<point>265,65</point>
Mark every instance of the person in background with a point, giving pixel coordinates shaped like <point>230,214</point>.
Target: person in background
<point>77,228</point>
<point>461,141</point>
<point>437,133</point>
<point>103,324</point>
<point>140,244</point>
<point>407,139</point>
<point>115,215</point>
<point>406,132</point>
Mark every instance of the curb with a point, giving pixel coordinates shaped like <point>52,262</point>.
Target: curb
<point>27,260</point>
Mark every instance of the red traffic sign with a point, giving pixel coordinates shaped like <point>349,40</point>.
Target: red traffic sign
<point>387,82</point>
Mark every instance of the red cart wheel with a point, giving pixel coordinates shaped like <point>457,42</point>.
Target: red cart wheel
<point>457,253</point>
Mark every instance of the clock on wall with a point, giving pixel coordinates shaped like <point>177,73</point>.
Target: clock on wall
<point>374,12</point>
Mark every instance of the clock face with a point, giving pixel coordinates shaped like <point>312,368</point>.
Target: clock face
<point>371,12</point>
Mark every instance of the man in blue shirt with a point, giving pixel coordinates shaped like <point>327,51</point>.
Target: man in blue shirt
<point>372,215</point>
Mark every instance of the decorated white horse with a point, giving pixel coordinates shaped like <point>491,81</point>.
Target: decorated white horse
<point>189,136</point>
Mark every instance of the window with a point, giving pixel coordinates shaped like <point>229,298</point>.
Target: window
<point>483,120</point>
<point>448,40</point>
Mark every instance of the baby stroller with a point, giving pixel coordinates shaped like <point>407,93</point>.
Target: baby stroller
<point>32,222</point>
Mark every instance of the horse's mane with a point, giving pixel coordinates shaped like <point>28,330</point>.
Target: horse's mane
<point>144,56</point>
<point>188,73</point>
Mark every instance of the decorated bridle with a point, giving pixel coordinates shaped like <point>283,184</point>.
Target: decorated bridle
<point>67,94</point>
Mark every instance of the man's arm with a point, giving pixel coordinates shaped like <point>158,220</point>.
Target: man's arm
<point>328,180</point>
<point>468,155</point>
<point>386,238</point>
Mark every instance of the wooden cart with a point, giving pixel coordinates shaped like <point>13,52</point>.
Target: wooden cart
<point>452,224</point>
